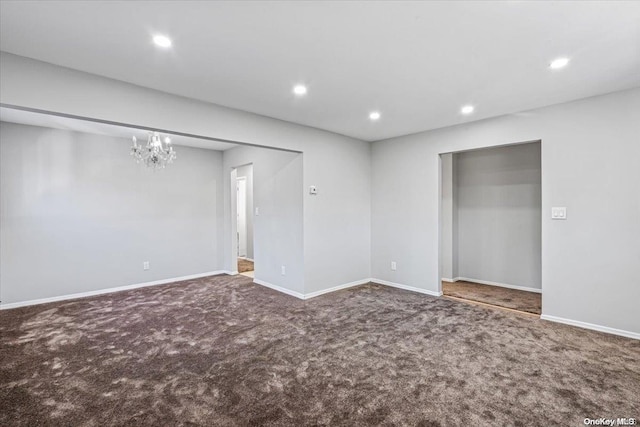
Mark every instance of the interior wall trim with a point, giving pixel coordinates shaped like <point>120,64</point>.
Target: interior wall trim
<point>108,290</point>
<point>346,286</point>
<point>279,288</point>
<point>406,287</point>
<point>593,327</point>
<point>337,288</point>
<point>490,283</point>
<point>550,318</point>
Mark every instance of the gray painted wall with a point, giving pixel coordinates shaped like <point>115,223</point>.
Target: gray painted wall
<point>448,214</point>
<point>498,194</point>
<point>370,210</point>
<point>278,230</point>
<point>337,222</point>
<point>78,214</point>
<point>246,172</point>
<point>590,164</point>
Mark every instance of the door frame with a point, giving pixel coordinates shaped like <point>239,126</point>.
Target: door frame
<point>440,203</point>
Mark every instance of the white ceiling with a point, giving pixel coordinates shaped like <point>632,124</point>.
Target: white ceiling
<point>57,122</point>
<point>415,62</point>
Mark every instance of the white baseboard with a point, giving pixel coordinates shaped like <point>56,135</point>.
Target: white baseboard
<point>336,288</point>
<point>230,273</point>
<point>299,295</point>
<point>502,285</point>
<point>245,258</point>
<point>279,288</point>
<point>406,287</point>
<point>444,279</point>
<point>107,290</point>
<point>591,326</point>
<point>345,286</point>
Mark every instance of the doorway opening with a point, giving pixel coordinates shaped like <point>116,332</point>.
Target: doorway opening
<point>244,220</point>
<point>491,226</point>
<point>274,218</point>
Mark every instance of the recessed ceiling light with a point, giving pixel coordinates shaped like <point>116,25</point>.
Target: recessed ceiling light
<point>162,41</point>
<point>300,90</point>
<point>558,63</point>
<point>467,109</point>
<point>374,115</point>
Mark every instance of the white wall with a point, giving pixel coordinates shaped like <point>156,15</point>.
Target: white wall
<point>78,214</point>
<point>278,230</point>
<point>590,155</point>
<point>448,215</point>
<point>498,194</point>
<point>337,222</point>
<point>590,164</point>
<point>246,172</point>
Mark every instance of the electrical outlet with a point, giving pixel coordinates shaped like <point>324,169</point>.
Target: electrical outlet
<point>394,266</point>
<point>559,213</point>
<point>145,265</point>
<point>257,211</point>
<point>284,271</point>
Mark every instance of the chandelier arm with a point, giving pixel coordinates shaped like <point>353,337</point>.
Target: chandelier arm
<point>157,153</point>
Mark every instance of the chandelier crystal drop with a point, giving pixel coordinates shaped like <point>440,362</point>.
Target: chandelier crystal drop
<point>155,154</point>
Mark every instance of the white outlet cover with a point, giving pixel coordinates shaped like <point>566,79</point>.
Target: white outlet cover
<point>559,213</point>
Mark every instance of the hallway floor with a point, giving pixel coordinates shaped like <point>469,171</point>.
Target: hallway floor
<point>244,266</point>
<point>528,302</point>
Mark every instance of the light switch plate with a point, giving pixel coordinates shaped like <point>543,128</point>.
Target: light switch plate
<point>559,213</point>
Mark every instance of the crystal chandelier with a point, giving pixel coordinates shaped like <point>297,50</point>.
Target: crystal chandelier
<point>155,154</point>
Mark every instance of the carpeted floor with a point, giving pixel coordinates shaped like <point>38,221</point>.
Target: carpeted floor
<point>244,265</point>
<point>514,299</point>
<point>223,351</point>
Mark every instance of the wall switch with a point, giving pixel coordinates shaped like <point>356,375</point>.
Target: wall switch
<point>559,213</point>
<point>145,265</point>
<point>394,266</point>
<point>313,190</point>
<point>257,211</point>
<point>283,271</point>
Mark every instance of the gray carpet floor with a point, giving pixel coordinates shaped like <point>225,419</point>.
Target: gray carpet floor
<point>223,351</point>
